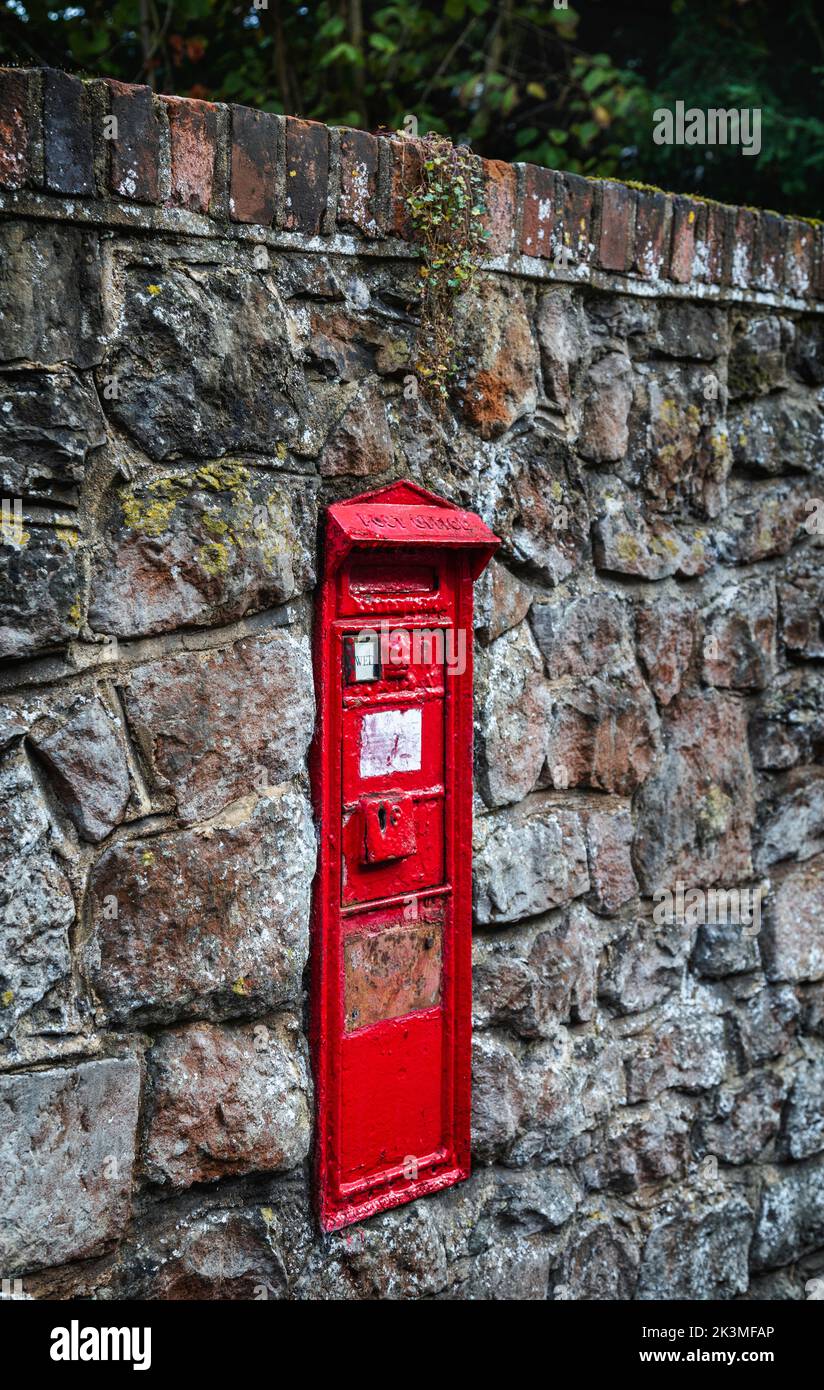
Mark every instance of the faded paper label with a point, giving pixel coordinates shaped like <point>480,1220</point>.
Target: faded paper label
<point>390,742</point>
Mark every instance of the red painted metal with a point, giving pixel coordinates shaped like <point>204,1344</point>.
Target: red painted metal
<point>392,911</point>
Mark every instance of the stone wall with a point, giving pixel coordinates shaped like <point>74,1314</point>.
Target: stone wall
<point>207,329</point>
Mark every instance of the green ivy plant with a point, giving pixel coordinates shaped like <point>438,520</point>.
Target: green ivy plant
<point>447,211</point>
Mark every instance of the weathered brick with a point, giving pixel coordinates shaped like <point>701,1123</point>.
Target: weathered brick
<point>818,264</point>
<point>540,202</point>
<point>577,215</point>
<point>617,227</point>
<point>719,229</point>
<point>193,142</point>
<point>307,175</point>
<point>134,155</point>
<point>740,268</point>
<point>685,214</point>
<point>357,200</point>
<point>653,222</point>
<point>15,93</point>
<point>67,134</point>
<point>799,258</point>
<point>500,197</point>
<point>406,158</point>
<point>769,257</point>
<point>255,142</point>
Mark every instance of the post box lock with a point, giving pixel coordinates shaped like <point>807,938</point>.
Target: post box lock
<point>389,827</point>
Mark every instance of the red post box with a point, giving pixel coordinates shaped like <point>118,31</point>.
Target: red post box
<point>392,914</point>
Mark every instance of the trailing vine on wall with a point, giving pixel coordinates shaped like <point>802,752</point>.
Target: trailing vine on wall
<point>447,211</point>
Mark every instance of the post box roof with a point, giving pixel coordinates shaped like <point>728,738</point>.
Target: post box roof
<point>404,514</point>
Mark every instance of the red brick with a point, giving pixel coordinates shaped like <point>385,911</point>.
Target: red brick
<point>254,166</point>
<point>15,87</point>
<point>818,264</point>
<point>684,229</point>
<point>500,197</point>
<point>653,222</point>
<point>577,214</point>
<point>405,171</point>
<point>718,232</point>
<point>617,227</point>
<point>357,201</point>
<point>540,203</point>
<point>798,261</point>
<point>307,175</point>
<point>741,259</point>
<point>769,257</point>
<point>193,137</point>
<point>67,134</point>
<point>134,155</point>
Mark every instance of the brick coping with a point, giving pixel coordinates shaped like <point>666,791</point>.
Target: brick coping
<point>175,164</point>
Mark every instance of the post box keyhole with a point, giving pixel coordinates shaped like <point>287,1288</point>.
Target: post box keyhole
<point>382,816</point>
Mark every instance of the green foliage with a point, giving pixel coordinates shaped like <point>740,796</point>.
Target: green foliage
<point>447,215</point>
<point>569,87</point>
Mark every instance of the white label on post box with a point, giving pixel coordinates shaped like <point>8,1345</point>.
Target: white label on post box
<point>390,742</point>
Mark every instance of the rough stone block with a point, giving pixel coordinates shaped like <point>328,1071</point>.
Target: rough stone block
<point>685,1048</point>
<point>86,763</point>
<point>227,1101</point>
<point>51,299</point>
<point>493,328</point>
<point>39,592</point>
<point>198,548</point>
<point>792,941</point>
<point>191,924</point>
<point>695,812</point>
<point>697,1250</point>
<point>215,725</point>
<point>67,1151</point>
<point>36,903</point>
<point>49,423</point>
<point>565,343</point>
<point>803,1122</point>
<point>205,367</point>
<point>739,637</point>
<point>531,978</point>
<point>527,862</point>
<point>512,705</point>
<point>745,1119</point>
<point>791,1215</point>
